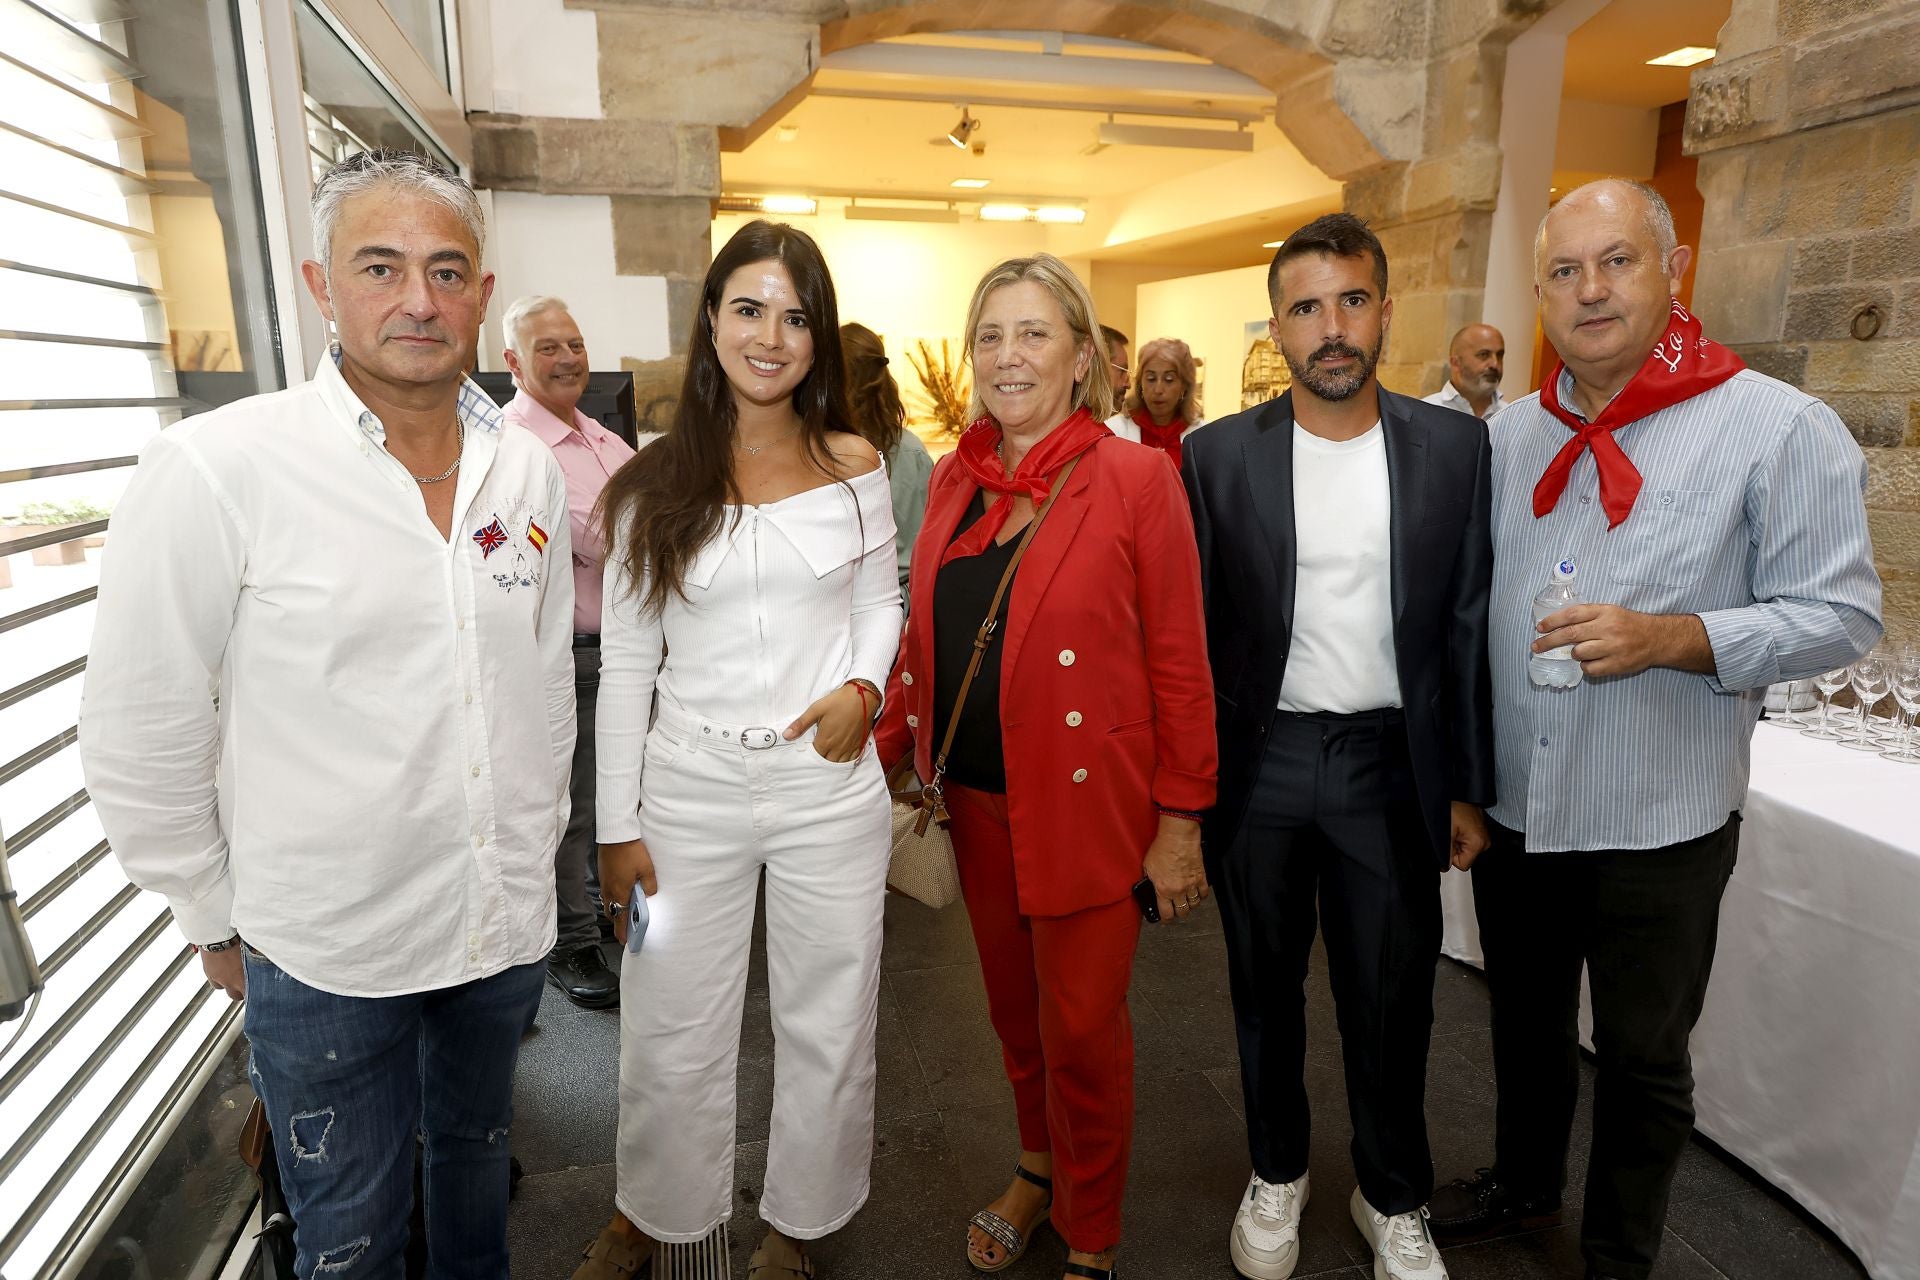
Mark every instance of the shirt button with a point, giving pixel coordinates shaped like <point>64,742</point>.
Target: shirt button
<point>478,841</point>
<point>1079,775</point>
<point>913,722</point>
<point>473,939</point>
<point>1073,719</point>
<point>1543,742</point>
<point>476,771</point>
<point>459,624</point>
<point>906,677</point>
<point>469,699</point>
<point>1666,499</point>
<point>1585,501</point>
<point>1066,657</point>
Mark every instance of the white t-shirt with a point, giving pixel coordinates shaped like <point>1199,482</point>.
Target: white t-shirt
<point>1342,656</point>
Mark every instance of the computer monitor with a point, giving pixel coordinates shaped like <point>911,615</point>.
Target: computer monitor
<point>608,400</point>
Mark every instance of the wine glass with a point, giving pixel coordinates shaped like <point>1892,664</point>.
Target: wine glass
<point>1872,676</point>
<point>1828,683</point>
<point>1906,692</point>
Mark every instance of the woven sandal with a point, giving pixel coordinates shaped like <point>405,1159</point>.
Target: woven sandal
<point>1005,1234</point>
<point>777,1258</point>
<point>612,1257</point>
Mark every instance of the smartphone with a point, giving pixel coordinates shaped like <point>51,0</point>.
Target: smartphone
<point>1148,900</point>
<point>637,917</point>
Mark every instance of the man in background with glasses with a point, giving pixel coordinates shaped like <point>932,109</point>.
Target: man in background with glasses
<point>358,831</point>
<point>1716,521</point>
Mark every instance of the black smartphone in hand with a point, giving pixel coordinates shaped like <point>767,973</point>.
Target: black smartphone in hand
<point>1148,899</point>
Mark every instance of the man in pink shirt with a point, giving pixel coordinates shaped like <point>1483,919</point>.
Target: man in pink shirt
<point>548,360</point>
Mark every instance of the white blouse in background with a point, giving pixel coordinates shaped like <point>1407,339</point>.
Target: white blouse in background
<point>791,600</point>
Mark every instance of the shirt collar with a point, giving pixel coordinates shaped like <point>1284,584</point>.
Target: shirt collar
<point>1454,396</point>
<point>477,411</point>
<point>543,422</point>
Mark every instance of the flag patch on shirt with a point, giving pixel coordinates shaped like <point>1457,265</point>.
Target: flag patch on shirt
<point>537,536</point>
<point>491,537</point>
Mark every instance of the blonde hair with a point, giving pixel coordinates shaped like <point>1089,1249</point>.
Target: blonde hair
<point>1180,356</point>
<point>1093,392</point>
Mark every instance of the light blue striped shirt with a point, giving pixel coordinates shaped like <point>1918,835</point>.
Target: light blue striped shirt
<point>1751,515</point>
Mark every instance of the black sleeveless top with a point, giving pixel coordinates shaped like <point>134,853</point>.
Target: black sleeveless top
<point>962,590</point>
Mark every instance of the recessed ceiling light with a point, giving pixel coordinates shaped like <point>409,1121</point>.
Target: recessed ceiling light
<point>786,132</point>
<point>970,184</point>
<point>788,204</point>
<point>1005,213</point>
<point>1687,56</point>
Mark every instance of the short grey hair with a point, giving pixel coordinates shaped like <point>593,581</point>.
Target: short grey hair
<point>390,167</point>
<point>523,310</point>
<point>1659,218</point>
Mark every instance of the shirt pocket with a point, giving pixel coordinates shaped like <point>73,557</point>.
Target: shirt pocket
<point>1668,539</point>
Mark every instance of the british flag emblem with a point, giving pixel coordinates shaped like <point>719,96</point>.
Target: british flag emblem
<point>491,537</point>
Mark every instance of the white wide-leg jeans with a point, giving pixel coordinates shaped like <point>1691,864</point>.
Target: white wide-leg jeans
<point>715,813</point>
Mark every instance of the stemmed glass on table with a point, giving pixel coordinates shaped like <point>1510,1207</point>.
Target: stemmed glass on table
<point>1828,683</point>
<point>1905,681</point>
<point>1871,678</point>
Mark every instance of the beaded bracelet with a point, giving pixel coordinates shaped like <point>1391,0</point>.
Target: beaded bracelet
<point>1185,815</point>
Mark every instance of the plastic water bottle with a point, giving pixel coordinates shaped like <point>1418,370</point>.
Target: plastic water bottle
<point>1556,668</point>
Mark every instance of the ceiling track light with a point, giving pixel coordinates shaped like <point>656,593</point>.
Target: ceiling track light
<point>962,133</point>
<point>1153,135</point>
<point>785,205</point>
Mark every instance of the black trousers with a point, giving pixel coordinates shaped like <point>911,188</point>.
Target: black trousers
<point>1644,923</point>
<point>1333,822</point>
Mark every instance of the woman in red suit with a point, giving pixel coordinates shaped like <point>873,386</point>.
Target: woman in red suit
<point>1085,751</point>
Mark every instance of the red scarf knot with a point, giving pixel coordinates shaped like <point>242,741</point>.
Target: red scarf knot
<point>979,453</point>
<point>1682,365</point>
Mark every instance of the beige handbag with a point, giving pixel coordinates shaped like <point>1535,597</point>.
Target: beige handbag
<point>922,866</point>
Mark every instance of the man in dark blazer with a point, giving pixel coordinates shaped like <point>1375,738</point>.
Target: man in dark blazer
<point>1345,556</point>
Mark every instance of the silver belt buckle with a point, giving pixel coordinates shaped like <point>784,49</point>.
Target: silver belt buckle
<point>759,739</point>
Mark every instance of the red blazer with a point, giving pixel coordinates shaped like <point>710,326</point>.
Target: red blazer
<point>1106,697</point>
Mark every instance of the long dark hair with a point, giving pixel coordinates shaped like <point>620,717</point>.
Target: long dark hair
<point>872,395</point>
<point>673,495</point>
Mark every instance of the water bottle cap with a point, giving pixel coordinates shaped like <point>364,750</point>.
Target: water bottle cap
<point>1564,572</point>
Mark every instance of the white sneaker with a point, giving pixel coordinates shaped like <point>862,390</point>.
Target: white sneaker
<point>1403,1248</point>
<point>1265,1244</point>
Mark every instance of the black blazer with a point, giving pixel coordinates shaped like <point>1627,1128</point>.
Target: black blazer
<point>1239,478</point>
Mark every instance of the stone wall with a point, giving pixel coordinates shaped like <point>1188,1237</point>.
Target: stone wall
<point>1807,128</point>
<point>1396,98</point>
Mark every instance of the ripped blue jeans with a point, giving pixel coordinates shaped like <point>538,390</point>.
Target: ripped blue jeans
<point>347,1083</point>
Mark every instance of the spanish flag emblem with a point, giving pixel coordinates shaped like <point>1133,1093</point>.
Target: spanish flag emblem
<point>537,536</point>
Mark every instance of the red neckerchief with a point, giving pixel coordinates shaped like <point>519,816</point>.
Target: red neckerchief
<point>1682,366</point>
<point>1166,438</point>
<point>979,454</point>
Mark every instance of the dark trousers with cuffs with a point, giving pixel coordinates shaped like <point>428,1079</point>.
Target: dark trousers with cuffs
<point>1644,923</point>
<point>1334,825</point>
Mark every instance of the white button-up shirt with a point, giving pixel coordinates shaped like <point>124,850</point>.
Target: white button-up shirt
<point>1449,397</point>
<point>375,797</point>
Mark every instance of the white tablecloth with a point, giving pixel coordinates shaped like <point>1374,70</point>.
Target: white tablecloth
<point>1807,1059</point>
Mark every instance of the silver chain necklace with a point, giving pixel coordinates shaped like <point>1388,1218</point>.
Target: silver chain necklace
<point>754,449</point>
<point>448,473</point>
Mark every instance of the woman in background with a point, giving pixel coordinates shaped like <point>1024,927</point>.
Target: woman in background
<point>873,398</point>
<point>1161,408</point>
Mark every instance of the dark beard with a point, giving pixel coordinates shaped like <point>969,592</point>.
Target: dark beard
<point>1334,385</point>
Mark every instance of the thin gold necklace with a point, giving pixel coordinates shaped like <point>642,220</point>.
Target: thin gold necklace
<point>754,449</point>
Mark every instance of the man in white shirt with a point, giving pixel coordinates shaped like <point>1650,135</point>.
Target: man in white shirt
<point>329,715</point>
<point>548,358</point>
<point>1345,557</point>
<point>1475,361</point>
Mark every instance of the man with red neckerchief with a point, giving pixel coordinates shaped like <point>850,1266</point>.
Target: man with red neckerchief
<point>1716,520</point>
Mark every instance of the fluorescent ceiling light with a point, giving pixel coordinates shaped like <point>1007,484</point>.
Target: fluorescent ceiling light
<point>1154,135</point>
<point>1005,213</point>
<point>971,184</point>
<point>788,204</point>
<point>1059,213</point>
<point>899,213</point>
<point>1687,56</point>
<point>1273,244</point>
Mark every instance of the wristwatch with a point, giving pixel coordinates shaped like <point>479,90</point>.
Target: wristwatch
<point>227,945</point>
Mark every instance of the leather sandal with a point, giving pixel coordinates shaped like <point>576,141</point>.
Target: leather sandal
<point>1005,1234</point>
<point>778,1258</point>
<point>613,1257</point>
<point>1092,1273</point>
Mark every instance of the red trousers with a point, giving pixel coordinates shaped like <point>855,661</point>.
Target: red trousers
<point>1057,994</point>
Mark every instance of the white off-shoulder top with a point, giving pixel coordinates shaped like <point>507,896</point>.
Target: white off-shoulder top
<point>788,602</point>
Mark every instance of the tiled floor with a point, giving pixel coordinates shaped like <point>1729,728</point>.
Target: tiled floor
<point>946,1138</point>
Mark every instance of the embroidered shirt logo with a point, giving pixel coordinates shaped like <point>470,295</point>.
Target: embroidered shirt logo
<point>490,537</point>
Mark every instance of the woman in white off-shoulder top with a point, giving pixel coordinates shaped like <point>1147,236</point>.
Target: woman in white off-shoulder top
<point>751,590</point>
